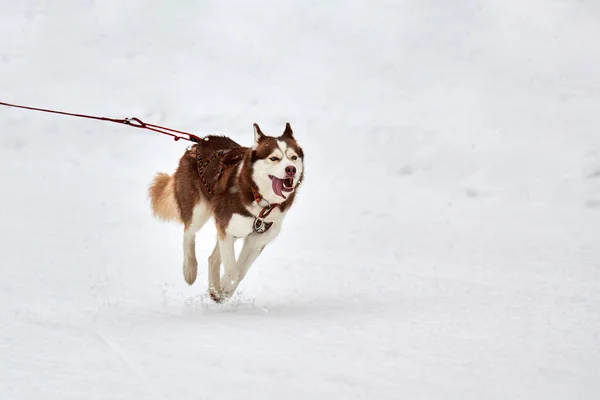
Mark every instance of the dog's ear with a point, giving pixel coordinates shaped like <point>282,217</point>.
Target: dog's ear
<point>257,133</point>
<point>288,131</point>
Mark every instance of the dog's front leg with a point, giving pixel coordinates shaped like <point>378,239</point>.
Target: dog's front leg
<point>250,252</point>
<point>230,273</point>
<point>253,246</point>
<point>214,273</point>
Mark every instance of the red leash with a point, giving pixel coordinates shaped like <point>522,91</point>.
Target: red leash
<point>134,122</point>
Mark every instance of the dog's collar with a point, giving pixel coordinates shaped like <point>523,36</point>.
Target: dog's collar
<point>260,200</point>
<point>260,225</point>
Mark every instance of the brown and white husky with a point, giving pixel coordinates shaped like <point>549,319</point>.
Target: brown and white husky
<point>248,191</point>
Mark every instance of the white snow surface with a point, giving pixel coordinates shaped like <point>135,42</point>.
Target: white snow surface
<point>445,244</point>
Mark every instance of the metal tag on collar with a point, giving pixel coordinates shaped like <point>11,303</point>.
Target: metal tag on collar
<point>260,225</point>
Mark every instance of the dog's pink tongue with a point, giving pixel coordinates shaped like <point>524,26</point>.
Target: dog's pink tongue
<point>278,187</point>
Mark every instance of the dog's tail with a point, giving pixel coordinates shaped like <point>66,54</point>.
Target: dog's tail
<point>162,194</point>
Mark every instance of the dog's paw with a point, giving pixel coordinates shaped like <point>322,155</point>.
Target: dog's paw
<point>216,295</point>
<point>220,296</point>
<point>190,271</point>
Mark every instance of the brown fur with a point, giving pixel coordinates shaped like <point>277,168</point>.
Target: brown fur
<point>187,186</point>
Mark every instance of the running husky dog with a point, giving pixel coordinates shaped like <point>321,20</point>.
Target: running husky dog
<point>248,191</point>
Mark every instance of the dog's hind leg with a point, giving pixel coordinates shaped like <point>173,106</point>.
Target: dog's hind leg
<point>190,264</point>
<point>200,215</point>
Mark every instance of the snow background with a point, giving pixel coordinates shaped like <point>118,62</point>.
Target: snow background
<point>445,245</point>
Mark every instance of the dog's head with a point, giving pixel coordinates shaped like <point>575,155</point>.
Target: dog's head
<point>277,164</point>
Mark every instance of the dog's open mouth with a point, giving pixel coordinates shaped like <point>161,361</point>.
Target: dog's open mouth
<point>282,185</point>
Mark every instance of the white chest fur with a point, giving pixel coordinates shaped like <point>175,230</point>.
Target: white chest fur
<point>241,226</point>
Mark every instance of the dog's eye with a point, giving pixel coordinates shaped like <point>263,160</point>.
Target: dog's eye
<point>274,159</point>
<point>294,158</point>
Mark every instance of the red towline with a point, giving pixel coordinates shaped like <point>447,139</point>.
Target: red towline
<point>134,122</point>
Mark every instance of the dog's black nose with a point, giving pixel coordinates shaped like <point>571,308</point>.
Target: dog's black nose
<point>290,170</point>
